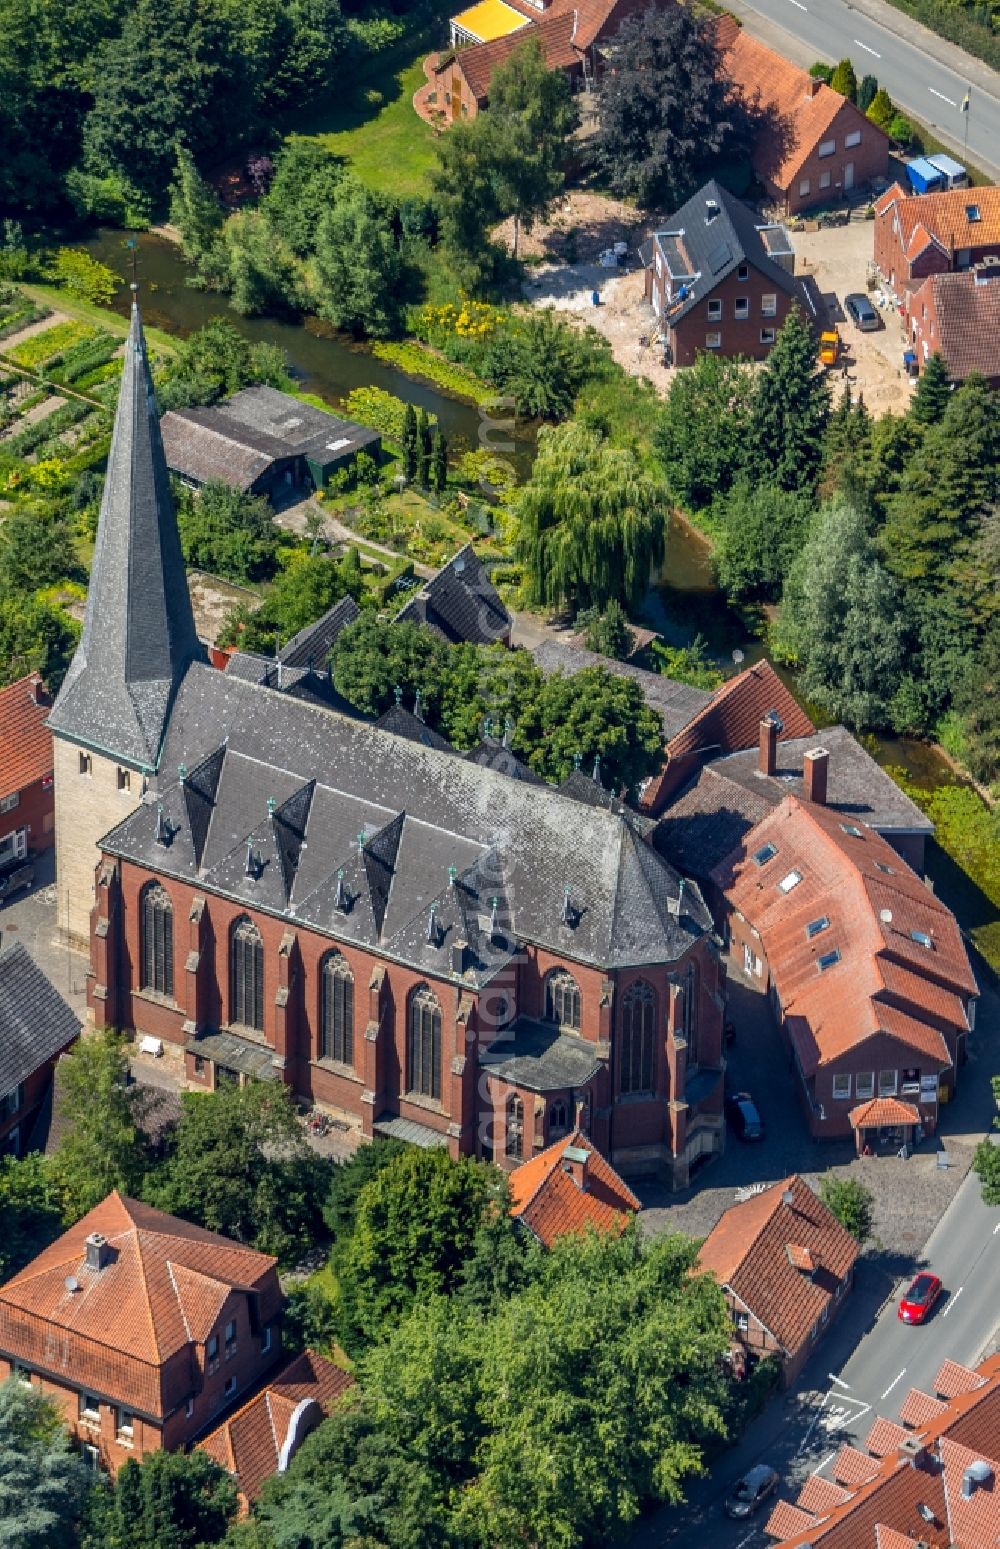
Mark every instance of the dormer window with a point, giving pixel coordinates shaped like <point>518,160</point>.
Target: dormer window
<point>973,212</point>
<point>789,880</point>
<point>853,830</point>
<point>230,1338</point>
<point>922,939</point>
<point>765,853</point>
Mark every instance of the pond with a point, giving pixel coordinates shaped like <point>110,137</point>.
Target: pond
<point>320,359</point>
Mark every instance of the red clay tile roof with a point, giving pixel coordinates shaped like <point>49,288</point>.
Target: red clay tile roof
<point>25,740</point>
<point>786,1520</point>
<point>919,1409</point>
<point>884,1513</point>
<point>478,62</point>
<point>851,1467</point>
<point>549,1201</point>
<point>884,1437</point>
<point>806,112</point>
<point>944,217</point>
<point>876,906</point>
<point>727,724</point>
<point>251,1444</point>
<point>820,1495</point>
<point>748,1251</point>
<point>125,1330</point>
<point>968,314</point>
<point>883,1110</point>
<point>800,1258</point>
<point>953,1379</point>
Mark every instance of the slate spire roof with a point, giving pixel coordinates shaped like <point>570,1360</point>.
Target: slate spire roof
<point>138,630</point>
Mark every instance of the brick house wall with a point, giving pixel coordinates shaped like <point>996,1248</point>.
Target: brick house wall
<point>471,1112</point>
<point>758,1340</point>
<point>34,811</point>
<point>824,180</point>
<point>826,1098</point>
<point>15,1128</point>
<point>941,257</point>
<point>176,1429</point>
<point>713,324</point>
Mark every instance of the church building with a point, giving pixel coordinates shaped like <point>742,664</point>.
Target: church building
<point>430,947</point>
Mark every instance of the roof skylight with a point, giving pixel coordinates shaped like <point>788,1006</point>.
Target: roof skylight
<point>790,880</point>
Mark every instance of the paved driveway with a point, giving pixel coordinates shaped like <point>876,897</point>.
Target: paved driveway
<point>31,919</point>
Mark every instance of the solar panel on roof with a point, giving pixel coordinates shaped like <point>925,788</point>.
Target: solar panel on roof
<point>719,257</point>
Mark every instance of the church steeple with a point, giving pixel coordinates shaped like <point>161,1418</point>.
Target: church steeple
<point>138,630</point>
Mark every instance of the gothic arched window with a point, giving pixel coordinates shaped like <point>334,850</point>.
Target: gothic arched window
<point>424,1051</point>
<point>638,1039</point>
<point>246,975</point>
<point>336,1022</point>
<point>690,1017</point>
<point>157,948</point>
<point>515,1129</point>
<point>558,1124</point>
<point>562,999</point>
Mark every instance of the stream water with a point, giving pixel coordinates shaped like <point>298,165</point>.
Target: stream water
<point>322,360</point>
<point>685,603</point>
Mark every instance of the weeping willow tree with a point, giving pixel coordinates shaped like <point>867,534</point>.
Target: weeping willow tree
<point>591,522</point>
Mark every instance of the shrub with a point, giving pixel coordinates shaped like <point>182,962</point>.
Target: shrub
<point>852,1203</point>
<point>83,276</point>
<point>901,130</point>
<point>821,72</point>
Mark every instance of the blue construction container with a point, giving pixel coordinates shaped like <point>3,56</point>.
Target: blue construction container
<point>924,176</point>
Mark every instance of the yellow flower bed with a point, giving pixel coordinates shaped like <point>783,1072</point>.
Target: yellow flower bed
<point>469,320</point>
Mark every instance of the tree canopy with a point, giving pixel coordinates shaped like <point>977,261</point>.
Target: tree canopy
<point>43,1482</point>
<point>667,111</point>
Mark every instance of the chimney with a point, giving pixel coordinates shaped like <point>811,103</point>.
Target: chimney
<point>98,1252</point>
<point>576,1161</point>
<point>38,692</point>
<point>768,760</point>
<point>812,88</point>
<point>459,956</point>
<point>815,769</point>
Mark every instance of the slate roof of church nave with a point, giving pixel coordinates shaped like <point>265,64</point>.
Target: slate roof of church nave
<point>421,811</point>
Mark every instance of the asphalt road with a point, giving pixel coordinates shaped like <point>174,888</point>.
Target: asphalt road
<point>857,1375</point>
<point>915,79</point>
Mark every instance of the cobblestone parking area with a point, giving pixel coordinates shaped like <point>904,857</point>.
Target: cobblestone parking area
<point>910,1196</point>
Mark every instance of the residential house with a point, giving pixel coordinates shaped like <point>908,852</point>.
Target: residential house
<point>720,279</point>
<point>932,1481</point>
<point>262,442</point>
<point>460,603</point>
<point>786,1265</point>
<point>917,235</point>
<point>142,1328</point>
<point>816,147</point>
<point>957,316</point>
<point>568,1187</point>
<point>27,798</point>
<point>734,792</point>
<point>36,1026</point>
<point>262,1437</point>
<point>406,936</point>
<point>571,34</point>
<point>866,969</point>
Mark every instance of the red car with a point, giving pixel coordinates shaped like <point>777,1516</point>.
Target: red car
<point>915,1305</point>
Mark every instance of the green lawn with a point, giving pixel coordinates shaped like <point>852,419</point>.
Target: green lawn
<point>373,125</point>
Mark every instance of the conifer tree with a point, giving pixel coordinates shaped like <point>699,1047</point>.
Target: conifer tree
<point>791,409</point>
<point>845,81</point>
<point>439,463</point>
<point>866,92</point>
<point>423,449</point>
<point>409,441</point>
<point>932,393</point>
<point>881,110</point>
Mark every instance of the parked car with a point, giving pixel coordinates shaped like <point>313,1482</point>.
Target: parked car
<point>861,311</point>
<point>744,1116</point>
<point>916,1303</point>
<point>752,1491</point>
<point>14,875</point>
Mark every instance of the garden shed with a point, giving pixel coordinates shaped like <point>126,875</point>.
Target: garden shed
<point>263,442</point>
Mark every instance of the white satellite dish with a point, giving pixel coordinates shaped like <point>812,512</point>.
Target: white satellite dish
<point>71,1283</point>
<point>737,657</point>
<point>885,915</point>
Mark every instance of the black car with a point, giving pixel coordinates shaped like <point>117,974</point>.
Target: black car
<point>861,311</point>
<point>752,1491</point>
<point>743,1115</point>
<point>14,875</point>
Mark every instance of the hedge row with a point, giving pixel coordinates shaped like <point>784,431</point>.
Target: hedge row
<point>971,28</point>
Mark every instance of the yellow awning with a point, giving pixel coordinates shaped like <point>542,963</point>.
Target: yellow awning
<point>488,20</point>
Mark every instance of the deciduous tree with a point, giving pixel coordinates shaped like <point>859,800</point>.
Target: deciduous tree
<point>101,1145</point>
